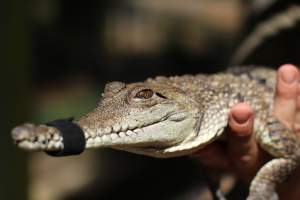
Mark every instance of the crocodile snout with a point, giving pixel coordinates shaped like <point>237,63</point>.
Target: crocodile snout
<point>23,132</point>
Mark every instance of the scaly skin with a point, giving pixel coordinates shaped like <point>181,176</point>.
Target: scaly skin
<point>167,117</point>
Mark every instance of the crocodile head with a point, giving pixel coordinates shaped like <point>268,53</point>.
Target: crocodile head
<point>145,118</point>
<point>150,118</point>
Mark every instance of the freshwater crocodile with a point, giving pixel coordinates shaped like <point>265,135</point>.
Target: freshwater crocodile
<point>175,116</point>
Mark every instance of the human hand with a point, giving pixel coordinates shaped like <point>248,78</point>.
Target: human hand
<point>241,153</point>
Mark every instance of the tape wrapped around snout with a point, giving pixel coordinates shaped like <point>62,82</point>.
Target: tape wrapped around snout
<point>73,137</point>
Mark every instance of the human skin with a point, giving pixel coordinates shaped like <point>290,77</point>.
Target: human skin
<point>241,154</point>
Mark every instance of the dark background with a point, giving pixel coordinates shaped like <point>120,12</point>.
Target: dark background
<point>56,57</point>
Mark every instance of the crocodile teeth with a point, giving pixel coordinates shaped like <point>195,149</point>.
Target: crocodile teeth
<point>51,144</point>
<point>86,134</point>
<point>130,133</point>
<point>90,141</point>
<point>114,136</point>
<point>117,127</point>
<point>93,134</point>
<point>41,138</point>
<point>30,145</point>
<point>107,130</point>
<point>106,138</point>
<point>124,127</point>
<point>56,137</point>
<point>122,134</point>
<point>57,145</point>
<point>98,139</point>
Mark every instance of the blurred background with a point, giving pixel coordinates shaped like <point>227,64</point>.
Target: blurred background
<point>56,56</point>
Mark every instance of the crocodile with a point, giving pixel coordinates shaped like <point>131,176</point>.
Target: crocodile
<point>175,116</point>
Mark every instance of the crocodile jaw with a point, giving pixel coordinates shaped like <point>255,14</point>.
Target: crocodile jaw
<point>34,137</point>
<point>161,135</point>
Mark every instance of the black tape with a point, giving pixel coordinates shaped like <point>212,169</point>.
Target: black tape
<point>73,137</point>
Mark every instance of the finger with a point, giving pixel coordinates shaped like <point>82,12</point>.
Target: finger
<point>240,130</point>
<point>213,156</point>
<point>297,115</point>
<point>242,146</point>
<point>286,93</point>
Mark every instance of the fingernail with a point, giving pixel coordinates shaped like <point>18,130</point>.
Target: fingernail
<point>242,118</point>
<point>288,76</point>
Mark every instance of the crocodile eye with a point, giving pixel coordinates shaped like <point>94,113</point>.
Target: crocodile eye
<point>144,94</point>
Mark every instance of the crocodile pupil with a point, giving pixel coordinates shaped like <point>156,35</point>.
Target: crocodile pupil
<point>144,94</point>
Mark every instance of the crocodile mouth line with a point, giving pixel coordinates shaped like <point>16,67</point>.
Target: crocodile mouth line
<point>113,136</point>
<point>24,137</point>
<point>116,135</point>
<point>124,134</point>
<point>38,144</point>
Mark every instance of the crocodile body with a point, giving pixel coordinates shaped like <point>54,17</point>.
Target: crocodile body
<point>176,116</point>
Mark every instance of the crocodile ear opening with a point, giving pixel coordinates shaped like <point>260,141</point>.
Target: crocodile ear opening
<point>160,95</point>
